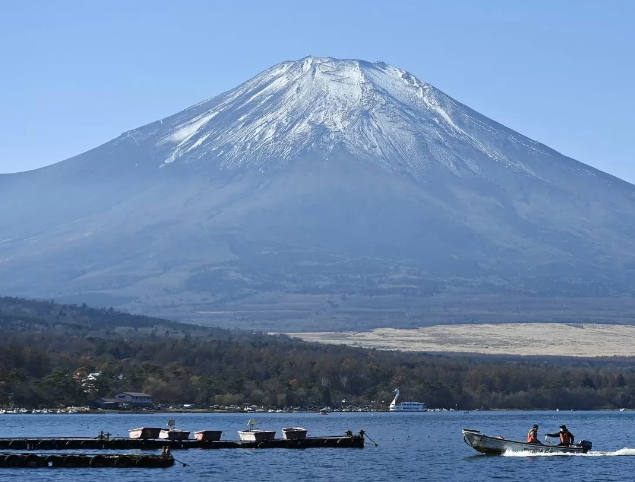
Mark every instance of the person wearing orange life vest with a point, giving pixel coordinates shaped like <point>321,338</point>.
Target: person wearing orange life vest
<point>566,437</point>
<point>532,435</point>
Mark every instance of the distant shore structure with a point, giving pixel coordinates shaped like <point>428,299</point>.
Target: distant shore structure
<point>406,406</point>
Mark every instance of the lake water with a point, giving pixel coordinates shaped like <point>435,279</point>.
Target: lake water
<point>418,446</point>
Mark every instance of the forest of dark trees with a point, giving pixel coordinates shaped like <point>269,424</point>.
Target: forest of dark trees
<point>46,348</point>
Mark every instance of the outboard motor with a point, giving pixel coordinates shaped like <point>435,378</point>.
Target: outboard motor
<point>586,445</point>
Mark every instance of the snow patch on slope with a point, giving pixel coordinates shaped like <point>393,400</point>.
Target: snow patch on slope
<point>185,132</point>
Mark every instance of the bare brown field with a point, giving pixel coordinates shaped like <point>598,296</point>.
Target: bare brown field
<point>294,313</point>
<point>555,339</point>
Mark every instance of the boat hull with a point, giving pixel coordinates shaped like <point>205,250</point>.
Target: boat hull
<point>411,407</point>
<point>174,434</point>
<point>498,446</point>
<point>145,432</point>
<point>256,435</point>
<point>208,435</point>
<point>294,433</point>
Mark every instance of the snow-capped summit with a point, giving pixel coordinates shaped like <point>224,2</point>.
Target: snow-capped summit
<point>317,178</point>
<point>374,111</point>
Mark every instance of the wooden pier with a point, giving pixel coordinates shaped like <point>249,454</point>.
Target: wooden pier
<point>106,443</point>
<point>58,460</point>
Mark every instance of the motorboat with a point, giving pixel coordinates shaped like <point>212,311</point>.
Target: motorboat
<point>208,435</point>
<point>145,432</point>
<point>174,434</point>
<point>499,445</point>
<point>294,433</point>
<point>405,406</point>
<point>253,434</point>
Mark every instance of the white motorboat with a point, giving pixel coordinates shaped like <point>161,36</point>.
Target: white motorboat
<point>499,445</point>
<point>255,435</point>
<point>208,435</point>
<point>406,406</point>
<point>174,434</point>
<point>294,433</point>
<point>145,432</point>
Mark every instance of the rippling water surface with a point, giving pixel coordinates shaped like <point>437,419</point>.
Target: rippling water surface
<point>418,446</point>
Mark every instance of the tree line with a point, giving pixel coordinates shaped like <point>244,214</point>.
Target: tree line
<point>47,349</point>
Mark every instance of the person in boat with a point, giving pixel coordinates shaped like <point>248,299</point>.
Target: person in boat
<point>532,435</point>
<point>566,437</point>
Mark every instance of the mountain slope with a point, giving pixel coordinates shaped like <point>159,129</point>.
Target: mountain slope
<point>315,179</point>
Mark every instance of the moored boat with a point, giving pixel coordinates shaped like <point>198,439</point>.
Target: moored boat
<point>144,432</point>
<point>255,435</point>
<point>294,433</point>
<point>208,435</point>
<point>174,434</point>
<point>499,445</point>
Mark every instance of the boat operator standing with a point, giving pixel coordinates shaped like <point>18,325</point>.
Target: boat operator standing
<point>566,437</point>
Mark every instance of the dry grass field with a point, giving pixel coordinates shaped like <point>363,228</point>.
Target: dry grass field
<point>558,339</point>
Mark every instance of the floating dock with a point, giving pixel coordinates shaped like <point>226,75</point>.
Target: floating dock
<point>106,443</point>
<point>38,460</point>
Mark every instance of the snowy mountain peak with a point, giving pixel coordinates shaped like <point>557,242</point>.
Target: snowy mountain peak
<point>319,105</point>
<point>316,184</point>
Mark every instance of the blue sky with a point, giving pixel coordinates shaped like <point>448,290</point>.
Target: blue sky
<point>76,74</point>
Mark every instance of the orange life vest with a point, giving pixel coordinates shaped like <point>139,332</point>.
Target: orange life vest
<point>565,438</point>
<point>532,436</point>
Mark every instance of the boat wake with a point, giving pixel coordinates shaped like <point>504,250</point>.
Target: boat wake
<point>618,453</point>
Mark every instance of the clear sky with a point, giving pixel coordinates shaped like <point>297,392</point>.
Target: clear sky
<point>75,74</point>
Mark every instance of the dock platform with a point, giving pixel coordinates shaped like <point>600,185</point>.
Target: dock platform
<point>42,460</point>
<point>106,443</point>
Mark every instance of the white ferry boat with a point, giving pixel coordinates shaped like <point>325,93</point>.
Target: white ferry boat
<point>406,406</point>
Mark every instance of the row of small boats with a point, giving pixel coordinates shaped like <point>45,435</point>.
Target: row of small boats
<point>252,434</point>
<point>172,434</point>
<point>24,411</point>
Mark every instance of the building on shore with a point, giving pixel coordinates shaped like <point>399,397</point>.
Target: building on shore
<point>135,399</point>
<point>106,403</point>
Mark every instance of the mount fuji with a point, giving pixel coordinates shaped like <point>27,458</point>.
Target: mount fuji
<point>320,188</point>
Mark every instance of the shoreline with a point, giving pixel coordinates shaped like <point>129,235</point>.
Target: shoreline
<point>316,412</point>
